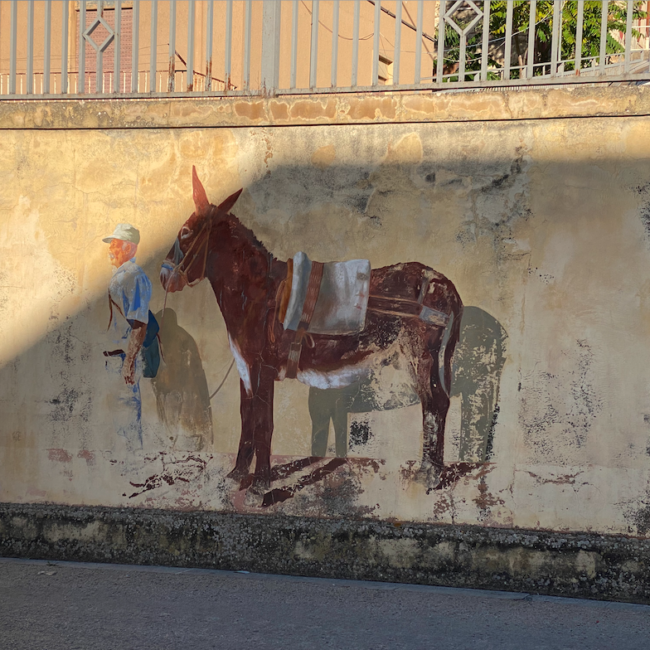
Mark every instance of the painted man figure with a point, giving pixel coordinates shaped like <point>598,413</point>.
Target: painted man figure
<point>129,295</point>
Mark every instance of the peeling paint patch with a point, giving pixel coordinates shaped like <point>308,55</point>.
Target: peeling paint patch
<point>59,455</point>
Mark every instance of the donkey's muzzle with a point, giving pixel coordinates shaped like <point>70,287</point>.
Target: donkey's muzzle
<point>170,278</point>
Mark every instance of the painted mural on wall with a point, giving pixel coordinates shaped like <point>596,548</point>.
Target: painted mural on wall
<point>333,326</point>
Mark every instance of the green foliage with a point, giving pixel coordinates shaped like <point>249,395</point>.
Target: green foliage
<point>592,21</point>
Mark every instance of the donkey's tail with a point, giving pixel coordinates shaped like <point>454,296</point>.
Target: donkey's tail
<point>448,343</point>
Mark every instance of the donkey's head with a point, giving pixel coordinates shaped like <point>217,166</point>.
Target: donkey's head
<point>186,261</point>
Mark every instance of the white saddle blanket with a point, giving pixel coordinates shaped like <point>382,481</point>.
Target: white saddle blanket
<point>342,300</point>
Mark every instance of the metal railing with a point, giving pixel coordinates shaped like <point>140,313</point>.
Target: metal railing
<point>244,47</point>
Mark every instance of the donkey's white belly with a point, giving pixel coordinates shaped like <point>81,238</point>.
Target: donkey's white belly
<point>335,379</point>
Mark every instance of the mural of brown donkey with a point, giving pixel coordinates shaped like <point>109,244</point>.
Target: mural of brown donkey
<point>245,278</point>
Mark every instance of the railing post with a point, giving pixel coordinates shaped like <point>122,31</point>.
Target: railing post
<point>355,44</point>
<point>335,43</point>
<point>398,43</point>
<point>418,44</point>
<point>30,48</point>
<point>442,10</point>
<point>117,29</point>
<point>532,29</point>
<point>485,43</point>
<point>507,58</point>
<point>99,56</point>
<point>13,46</point>
<point>556,36</point>
<point>228,66</point>
<point>294,43</point>
<point>190,45</point>
<point>46,47</point>
<point>579,29</point>
<point>135,45</point>
<point>81,75</point>
<point>153,46</point>
<point>604,30</point>
<point>271,16</point>
<point>247,43</point>
<point>628,35</point>
<point>171,79</point>
<point>313,49</point>
<point>375,43</point>
<point>64,48</point>
<point>208,47</point>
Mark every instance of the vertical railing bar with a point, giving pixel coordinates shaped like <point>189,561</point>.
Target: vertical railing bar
<point>13,45</point>
<point>208,47</point>
<point>485,44</point>
<point>462,55</point>
<point>398,42</point>
<point>135,44</point>
<point>191,13</point>
<point>442,10</point>
<point>64,49</point>
<point>355,43</point>
<point>555,37</point>
<point>228,71</point>
<point>313,50</point>
<point>375,43</point>
<point>171,74</point>
<point>153,45</point>
<point>29,86</point>
<point>628,34</point>
<point>294,43</point>
<point>532,29</point>
<point>579,31</point>
<point>335,42</point>
<point>508,52</point>
<point>418,43</point>
<point>47,47</point>
<point>247,44</point>
<point>81,75</point>
<point>604,24</point>
<point>99,57</point>
<point>117,43</point>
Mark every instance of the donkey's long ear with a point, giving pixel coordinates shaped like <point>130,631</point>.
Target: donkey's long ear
<point>226,206</point>
<point>198,194</point>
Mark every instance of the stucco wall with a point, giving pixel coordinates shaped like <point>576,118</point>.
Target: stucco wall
<point>541,223</point>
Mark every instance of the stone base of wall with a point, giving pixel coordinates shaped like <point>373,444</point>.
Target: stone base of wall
<point>572,564</point>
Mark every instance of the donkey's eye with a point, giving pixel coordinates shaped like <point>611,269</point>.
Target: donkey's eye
<point>185,232</point>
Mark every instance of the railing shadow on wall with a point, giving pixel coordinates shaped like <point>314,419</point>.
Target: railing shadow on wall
<point>146,47</point>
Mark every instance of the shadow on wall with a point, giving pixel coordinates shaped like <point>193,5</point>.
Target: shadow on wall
<point>181,388</point>
<point>477,364</point>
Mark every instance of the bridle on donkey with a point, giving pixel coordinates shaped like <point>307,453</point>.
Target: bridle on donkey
<point>181,267</point>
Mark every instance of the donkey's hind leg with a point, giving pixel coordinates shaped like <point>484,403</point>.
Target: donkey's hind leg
<point>435,405</point>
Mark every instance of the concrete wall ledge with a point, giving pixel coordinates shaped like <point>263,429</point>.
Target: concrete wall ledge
<point>359,108</point>
<point>559,564</point>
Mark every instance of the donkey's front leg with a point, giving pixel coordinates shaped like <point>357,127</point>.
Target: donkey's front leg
<point>261,421</point>
<point>246,448</point>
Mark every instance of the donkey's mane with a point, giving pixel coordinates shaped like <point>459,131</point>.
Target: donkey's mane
<point>238,229</point>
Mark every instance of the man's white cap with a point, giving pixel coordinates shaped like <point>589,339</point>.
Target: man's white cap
<point>125,232</point>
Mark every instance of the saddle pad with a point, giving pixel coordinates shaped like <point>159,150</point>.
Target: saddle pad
<point>342,300</point>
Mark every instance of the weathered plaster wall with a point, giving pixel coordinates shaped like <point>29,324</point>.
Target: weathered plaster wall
<point>535,204</point>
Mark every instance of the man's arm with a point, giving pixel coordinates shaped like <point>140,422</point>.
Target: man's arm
<point>136,339</point>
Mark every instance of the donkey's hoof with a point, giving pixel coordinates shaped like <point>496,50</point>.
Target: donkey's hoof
<point>237,474</point>
<point>260,486</point>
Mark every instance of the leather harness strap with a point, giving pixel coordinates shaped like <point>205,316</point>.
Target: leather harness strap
<point>313,289</point>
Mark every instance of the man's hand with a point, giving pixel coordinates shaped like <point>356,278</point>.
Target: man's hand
<point>136,338</point>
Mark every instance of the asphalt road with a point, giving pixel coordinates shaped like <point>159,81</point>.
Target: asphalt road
<point>87,606</point>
